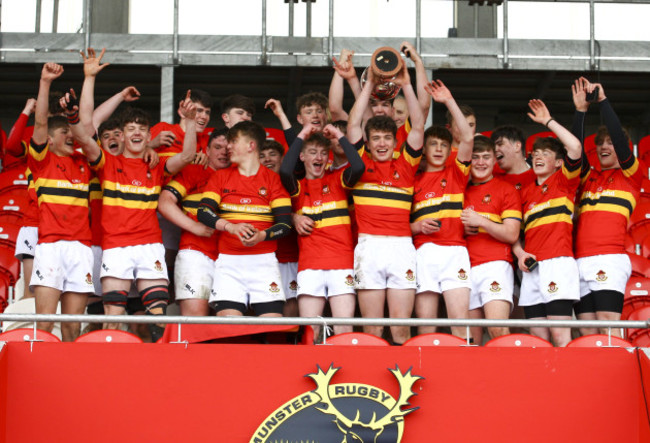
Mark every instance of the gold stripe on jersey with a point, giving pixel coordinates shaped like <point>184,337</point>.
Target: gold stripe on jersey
<point>38,156</point>
<point>609,200</point>
<point>130,196</point>
<point>629,172</point>
<point>556,210</point>
<point>412,156</point>
<point>178,187</point>
<point>331,213</point>
<point>191,203</point>
<point>373,194</point>
<point>280,202</point>
<point>333,221</point>
<point>61,192</point>
<point>95,189</point>
<point>511,213</point>
<point>213,196</point>
<point>571,173</point>
<point>445,206</point>
<point>234,211</point>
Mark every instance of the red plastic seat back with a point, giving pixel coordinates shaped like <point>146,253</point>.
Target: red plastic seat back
<point>26,334</point>
<point>435,339</point>
<point>108,336</point>
<point>598,340</point>
<point>357,339</point>
<point>518,341</point>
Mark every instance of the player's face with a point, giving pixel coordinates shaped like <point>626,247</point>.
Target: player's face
<point>61,141</point>
<point>202,117</point>
<point>545,163</point>
<point>482,166</point>
<point>437,151</point>
<point>234,116</point>
<point>271,159</point>
<point>607,155</point>
<point>381,145</point>
<point>218,153</point>
<point>401,113</point>
<point>113,141</point>
<point>381,107</point>
<point>507,153</point>
<point>136,137</point>
<point>314,114</point>
<point>455,132</point>
<point>239,148</point>
<point>315,159</point>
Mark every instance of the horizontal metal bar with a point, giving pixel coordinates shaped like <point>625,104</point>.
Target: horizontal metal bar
<point>235,320</point>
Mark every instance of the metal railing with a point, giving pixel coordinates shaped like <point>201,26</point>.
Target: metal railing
<point>322,321</point>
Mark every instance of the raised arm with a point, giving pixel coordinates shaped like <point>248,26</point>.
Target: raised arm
<point>540,114</point>
<point>441,94</point>
<point>92,67</point>
<point>176,163</point>
<point>355,131</point>
<point>415,136</point>
<point>275,106</point>
<point>14,144</point>
<point>106,109</point>
<point>356,168</point>
<point>579,94</point>
<point>621,145</point>
<point>49,73</point>
<point>343,71</point>
<point>421,80</point>
<point>290,160</point>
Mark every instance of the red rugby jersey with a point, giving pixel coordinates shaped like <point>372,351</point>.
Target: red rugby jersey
<point>325,200</point>
<point>253,200</point>
<point>440,195</point>
<point>188,187</point>
<point>62,189</point>
<point>519,181</point>
<point>96,197</point>
<point>495,200</point>
<point>383,196</point>
<point>130,200</point>
<point>177,147</point>
<point>548,211</point>
<point>606,201</point>
<point>30,214</point>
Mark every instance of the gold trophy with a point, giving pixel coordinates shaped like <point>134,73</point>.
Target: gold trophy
<point>385,64</point>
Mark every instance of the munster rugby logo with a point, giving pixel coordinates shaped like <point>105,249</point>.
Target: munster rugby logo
<point>345,412</point>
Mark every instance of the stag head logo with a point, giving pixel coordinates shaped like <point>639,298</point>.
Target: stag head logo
<point>345,413</point>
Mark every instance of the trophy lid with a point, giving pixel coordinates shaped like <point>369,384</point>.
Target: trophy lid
<point>386,62</point>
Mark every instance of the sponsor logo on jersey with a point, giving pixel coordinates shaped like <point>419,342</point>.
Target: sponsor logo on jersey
<point>245,201</point>
<point>327,414</point>
<point>326,189</point>
<point>396,175</point>
<point>443,183</point>
<point>487,199</point>
<point>262,192</point>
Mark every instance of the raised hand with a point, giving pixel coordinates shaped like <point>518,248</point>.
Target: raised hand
<point>601,91</point>
<point>438,91</point>
<point>187,108</point>
<point>307,130</point>
<point>92,65</point>
<point>343,66</point>
<point>332,132</point>
<point>30,105</point>
<point>409,50</point>
<point>130,93</point>
<point>275,106</point>
<point>540,112</point>
<point>402,78</point>
<point>579,92</point>
<point>165,138</point>
<point>51,71</point>
<point>69,102</point>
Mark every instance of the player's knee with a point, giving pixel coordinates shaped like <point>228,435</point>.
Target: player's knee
<point>115,298</point>
<point>155,297</point>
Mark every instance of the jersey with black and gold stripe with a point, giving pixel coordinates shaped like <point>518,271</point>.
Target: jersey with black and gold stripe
<point>260,200</point>
<point>325,201</point>
<point>548,212</point>
<point>61,184</point>
<point>383,195</point>
<point>130,200</point>
<point>607,199</point>
<point>439,195</point>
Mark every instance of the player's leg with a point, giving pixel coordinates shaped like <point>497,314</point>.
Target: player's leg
<point>560,310</point>
<point>342,306</point>
<point>289,273</point>
<point>426,306</point>
<point>25,250</point>
<point>73,303</point>
<point>476,332</point>
<point>538,312</point>
<point>457,302</point>
<point>585,309</point>
<point>497,310</point>
<point>193,279</point>
<point>609,306</point>
<point>400,305</point>
<point>28,266</point>
<point>371,305</point>
<point>47,300</point>
<point>155,298</point>
<point>115,293</point>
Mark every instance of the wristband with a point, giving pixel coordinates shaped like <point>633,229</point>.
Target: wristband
<point>73,118</point>
<point>549,121</point>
